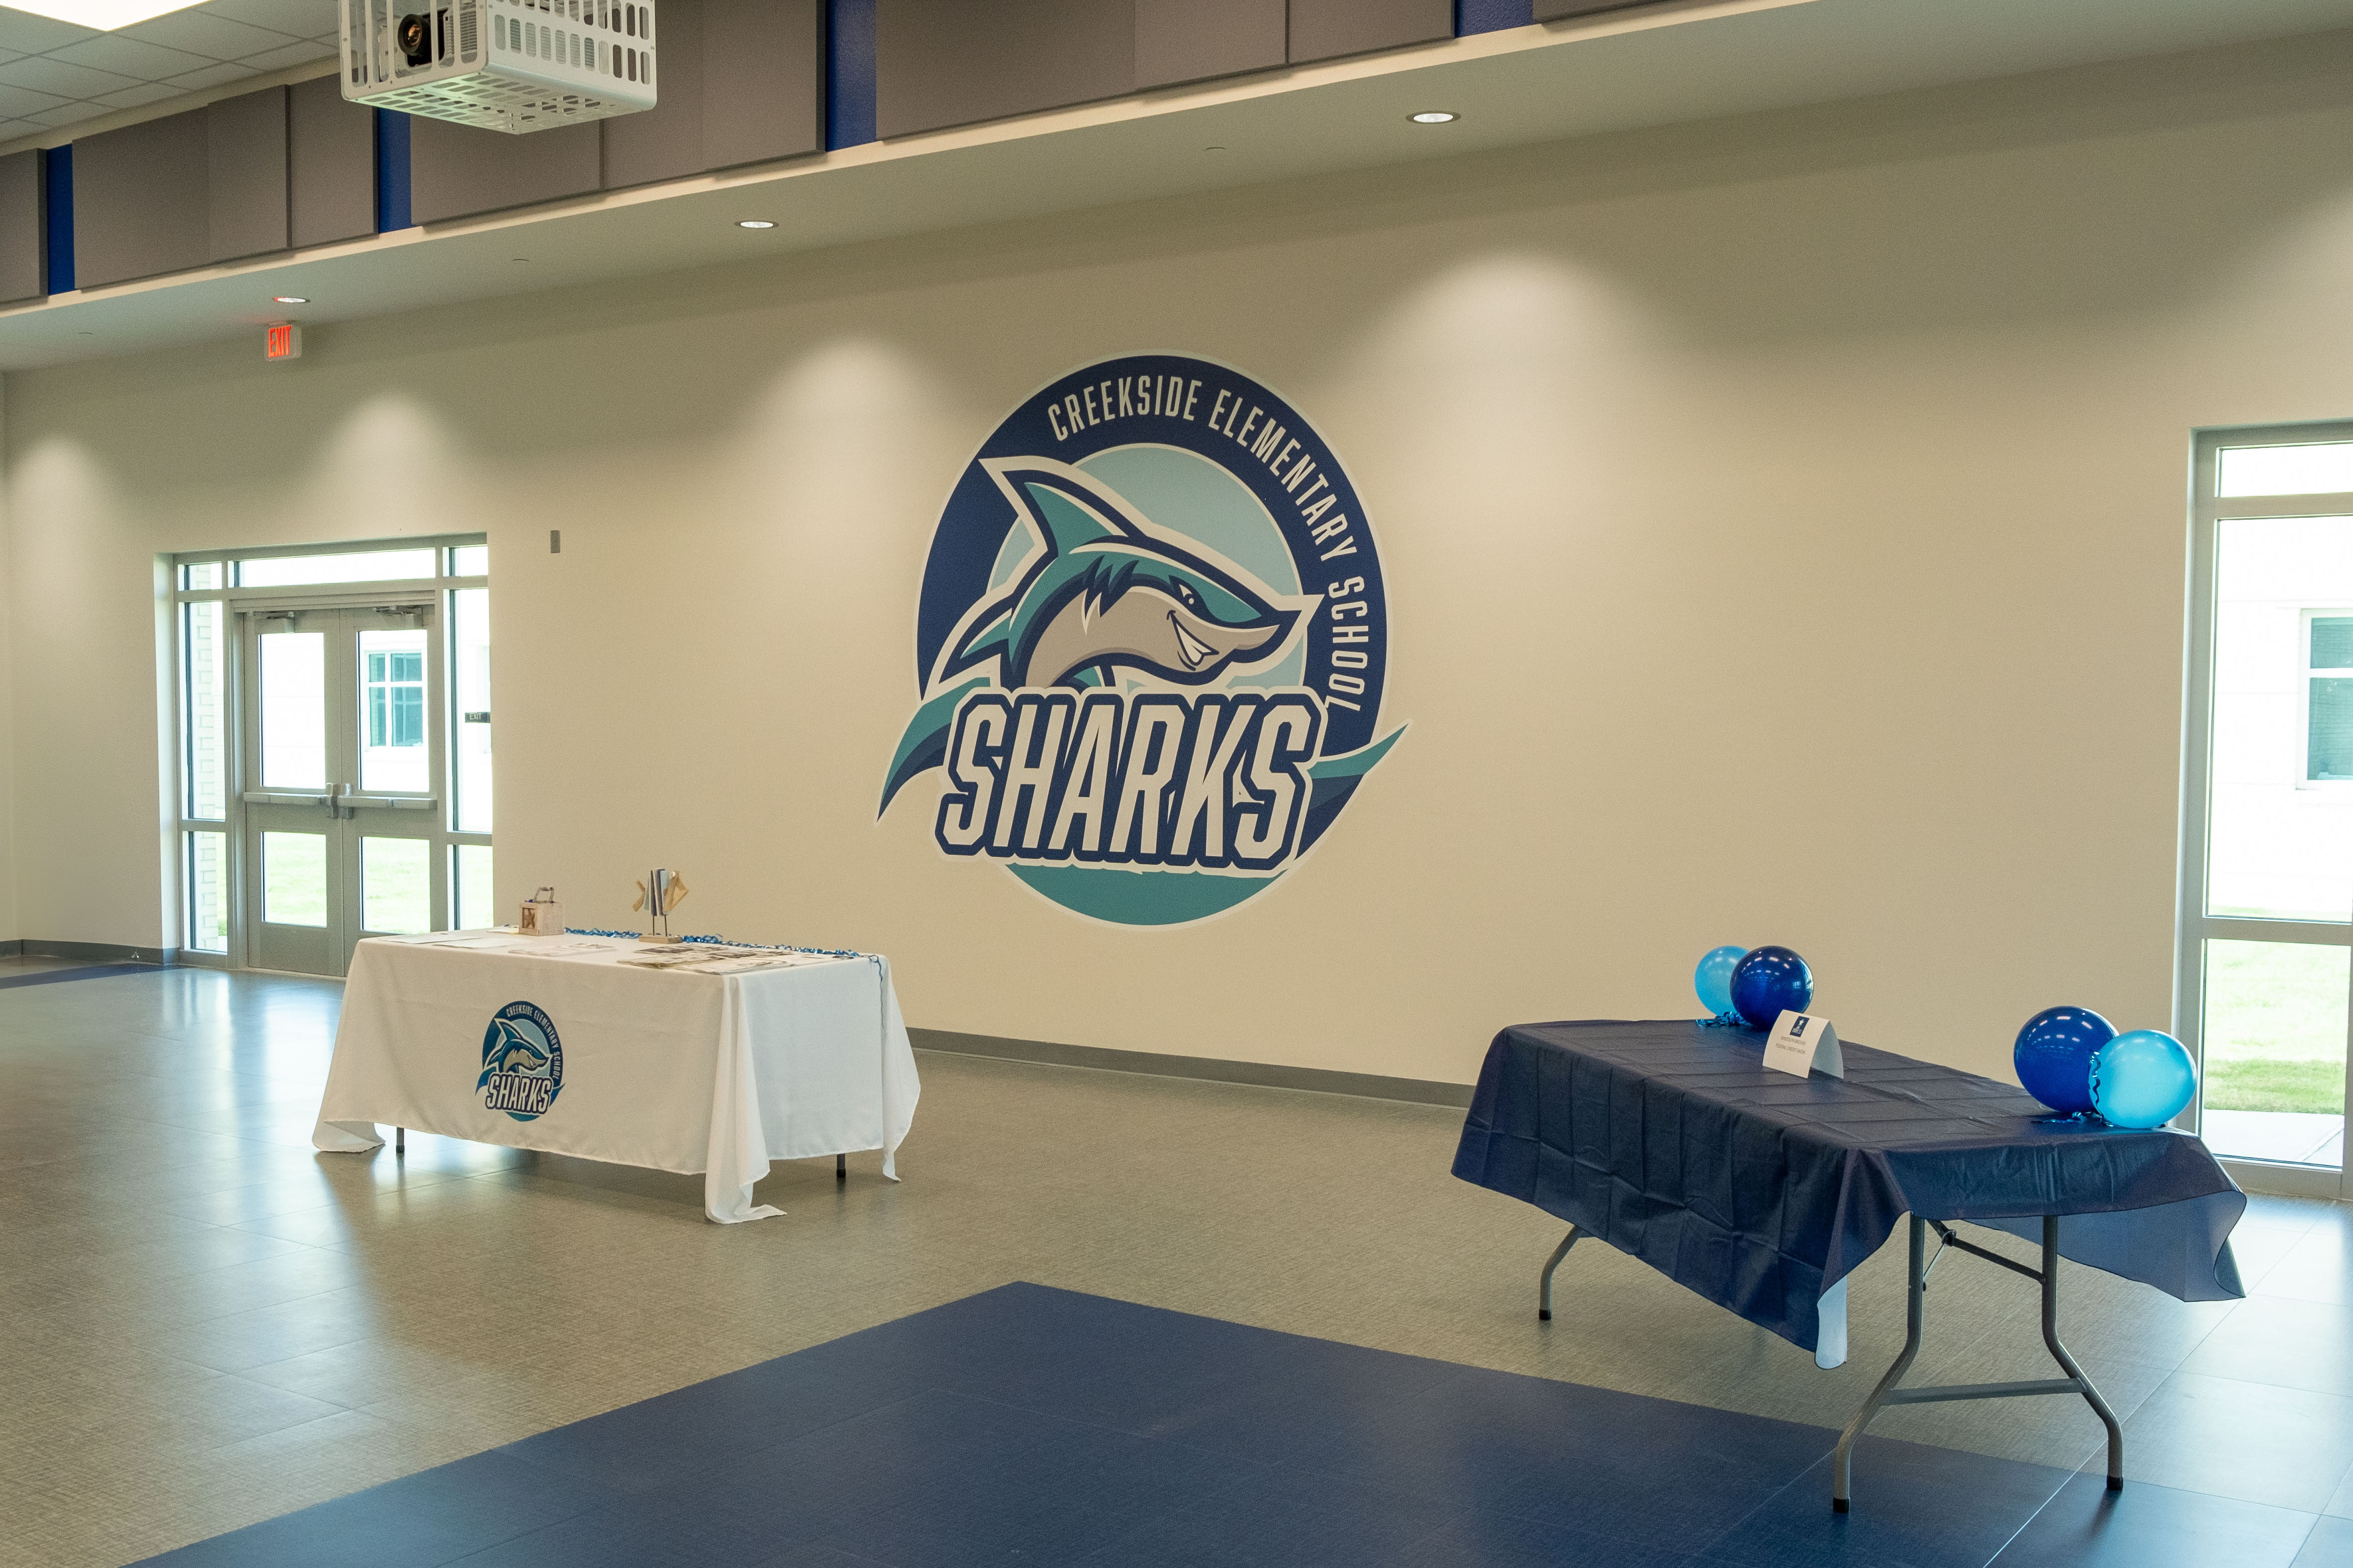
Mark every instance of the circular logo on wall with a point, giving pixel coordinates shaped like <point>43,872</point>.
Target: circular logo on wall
<point>1151,645</point>
<point>522,1062</point>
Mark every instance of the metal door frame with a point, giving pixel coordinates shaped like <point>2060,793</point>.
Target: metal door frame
<point>239,604</point>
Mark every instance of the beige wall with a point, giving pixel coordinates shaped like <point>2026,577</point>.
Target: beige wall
<point>1783,517</point>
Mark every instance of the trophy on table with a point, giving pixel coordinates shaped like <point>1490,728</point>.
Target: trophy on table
<point>660,892</point>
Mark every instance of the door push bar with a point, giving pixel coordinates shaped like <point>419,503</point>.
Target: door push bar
<point>341,802</point>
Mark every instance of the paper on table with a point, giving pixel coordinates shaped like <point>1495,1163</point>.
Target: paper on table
<point>750,963</point>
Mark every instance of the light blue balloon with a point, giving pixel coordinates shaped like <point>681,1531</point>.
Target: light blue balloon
<point>1713,980</point>
<point>2143,1078</point>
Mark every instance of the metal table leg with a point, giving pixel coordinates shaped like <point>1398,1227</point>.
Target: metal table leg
<point>1915,1291</point>
<point>400,1139</point>
<point>841,1167</point>
<point>1544,1287</point>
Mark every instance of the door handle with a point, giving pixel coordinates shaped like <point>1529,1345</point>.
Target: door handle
<point>390,802</point>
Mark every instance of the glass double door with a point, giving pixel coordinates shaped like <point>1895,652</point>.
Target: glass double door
<point>344,730</point>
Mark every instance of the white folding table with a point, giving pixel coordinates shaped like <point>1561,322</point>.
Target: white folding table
<point>557,1043</point>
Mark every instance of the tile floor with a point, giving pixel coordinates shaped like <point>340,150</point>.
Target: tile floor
<point>211,1324</point>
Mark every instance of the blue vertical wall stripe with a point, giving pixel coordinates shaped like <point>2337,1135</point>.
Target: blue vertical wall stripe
<point>57,218</point>
<point>391,171</point>
<point>850,72</point>
<point>1491,16</point>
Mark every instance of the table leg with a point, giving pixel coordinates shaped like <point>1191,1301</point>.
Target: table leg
<point>1915,1292</point>
<point>2067,1363</point>
<point>1915,1289</point>
<point>1543,1287</point>
<point>400,1139</point>
<point>841,1167</point>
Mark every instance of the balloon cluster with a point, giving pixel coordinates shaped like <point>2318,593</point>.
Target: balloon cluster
<point>1753,986</point>
<point>2073,1060</point>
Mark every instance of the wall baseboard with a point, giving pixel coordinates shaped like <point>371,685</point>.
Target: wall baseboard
<point>2287,1180</point>
<point>90,952</point>
<point>1312,1081</point>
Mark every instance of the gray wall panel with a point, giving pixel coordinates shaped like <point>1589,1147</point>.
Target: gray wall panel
<point>139,201</point>
<point>331,165</point>
<point>22,249</point>
<point>244,175</point>
<point>953,62</point>
<point>666,141</point>
<point>456,170</point>
<point>744,84</point>
<point>763,79</point>
<point>1187,40</point>
<point>1323,29</point>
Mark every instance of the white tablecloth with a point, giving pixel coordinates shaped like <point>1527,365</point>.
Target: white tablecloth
<point>702,1074</point>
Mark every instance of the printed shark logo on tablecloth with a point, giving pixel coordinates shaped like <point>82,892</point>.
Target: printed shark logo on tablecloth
<point>1151,645</point>
<point>522,1062</point>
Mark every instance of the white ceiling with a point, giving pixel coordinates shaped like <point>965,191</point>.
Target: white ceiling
<point>55,74</point>
<point>1682,61</point>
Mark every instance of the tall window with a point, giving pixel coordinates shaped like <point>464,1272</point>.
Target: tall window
<point>2266,960</point>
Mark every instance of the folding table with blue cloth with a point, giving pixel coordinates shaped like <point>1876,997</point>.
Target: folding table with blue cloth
<point>1762,1191</point>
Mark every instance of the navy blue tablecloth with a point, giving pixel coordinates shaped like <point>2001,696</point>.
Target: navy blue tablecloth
<point>1672,1141</point>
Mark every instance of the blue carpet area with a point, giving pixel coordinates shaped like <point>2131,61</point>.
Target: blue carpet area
<point>1039,1426</point>
<point>87,972</point>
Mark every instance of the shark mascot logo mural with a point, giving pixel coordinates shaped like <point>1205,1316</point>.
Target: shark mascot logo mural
<point>1151,645</point>
<point>522,1062</point>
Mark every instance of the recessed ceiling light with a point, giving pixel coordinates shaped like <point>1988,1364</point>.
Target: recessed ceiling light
<point>290,298</point>
<point>1435,117</point>
<point>103,15</point>
<point>754,222</point>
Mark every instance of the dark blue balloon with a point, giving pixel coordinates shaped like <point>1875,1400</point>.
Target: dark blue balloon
<point>1769,982</point>
<point>2054,1055</point>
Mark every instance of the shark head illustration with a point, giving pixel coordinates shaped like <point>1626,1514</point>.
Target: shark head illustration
<point>1108,592</point>
<point>1104,590</point>
<point>515,1053</point>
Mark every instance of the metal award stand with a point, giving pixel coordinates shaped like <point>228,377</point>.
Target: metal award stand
<point>661,891</point>
<point>1915,1294</point>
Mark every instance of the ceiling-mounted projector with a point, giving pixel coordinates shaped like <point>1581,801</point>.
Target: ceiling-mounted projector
<point>505,64</point>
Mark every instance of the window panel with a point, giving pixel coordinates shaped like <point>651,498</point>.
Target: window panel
<point>2280,828</point>
<point>2329,745</point>
<point>2275,1050</point>
<point>397,884</point>
<point>349,566</point>
<point>207,892</point>
<point>469,675</point>
<point>472,883</point>
<point>293,710</point>
<point>294,878</point>
<point>203,655</point>
<point>393,753</point>
<point>2317,468</point>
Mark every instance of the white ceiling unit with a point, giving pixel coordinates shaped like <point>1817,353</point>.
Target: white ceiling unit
<point>515,66</point>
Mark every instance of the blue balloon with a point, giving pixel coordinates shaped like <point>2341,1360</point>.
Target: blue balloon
<point>1769,982</point>
<point>2143,1078</point>
<point>1713,980</point>
<point>2054,1055</point>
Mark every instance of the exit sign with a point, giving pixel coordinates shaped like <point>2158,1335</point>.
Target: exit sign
<point>283,341</point>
